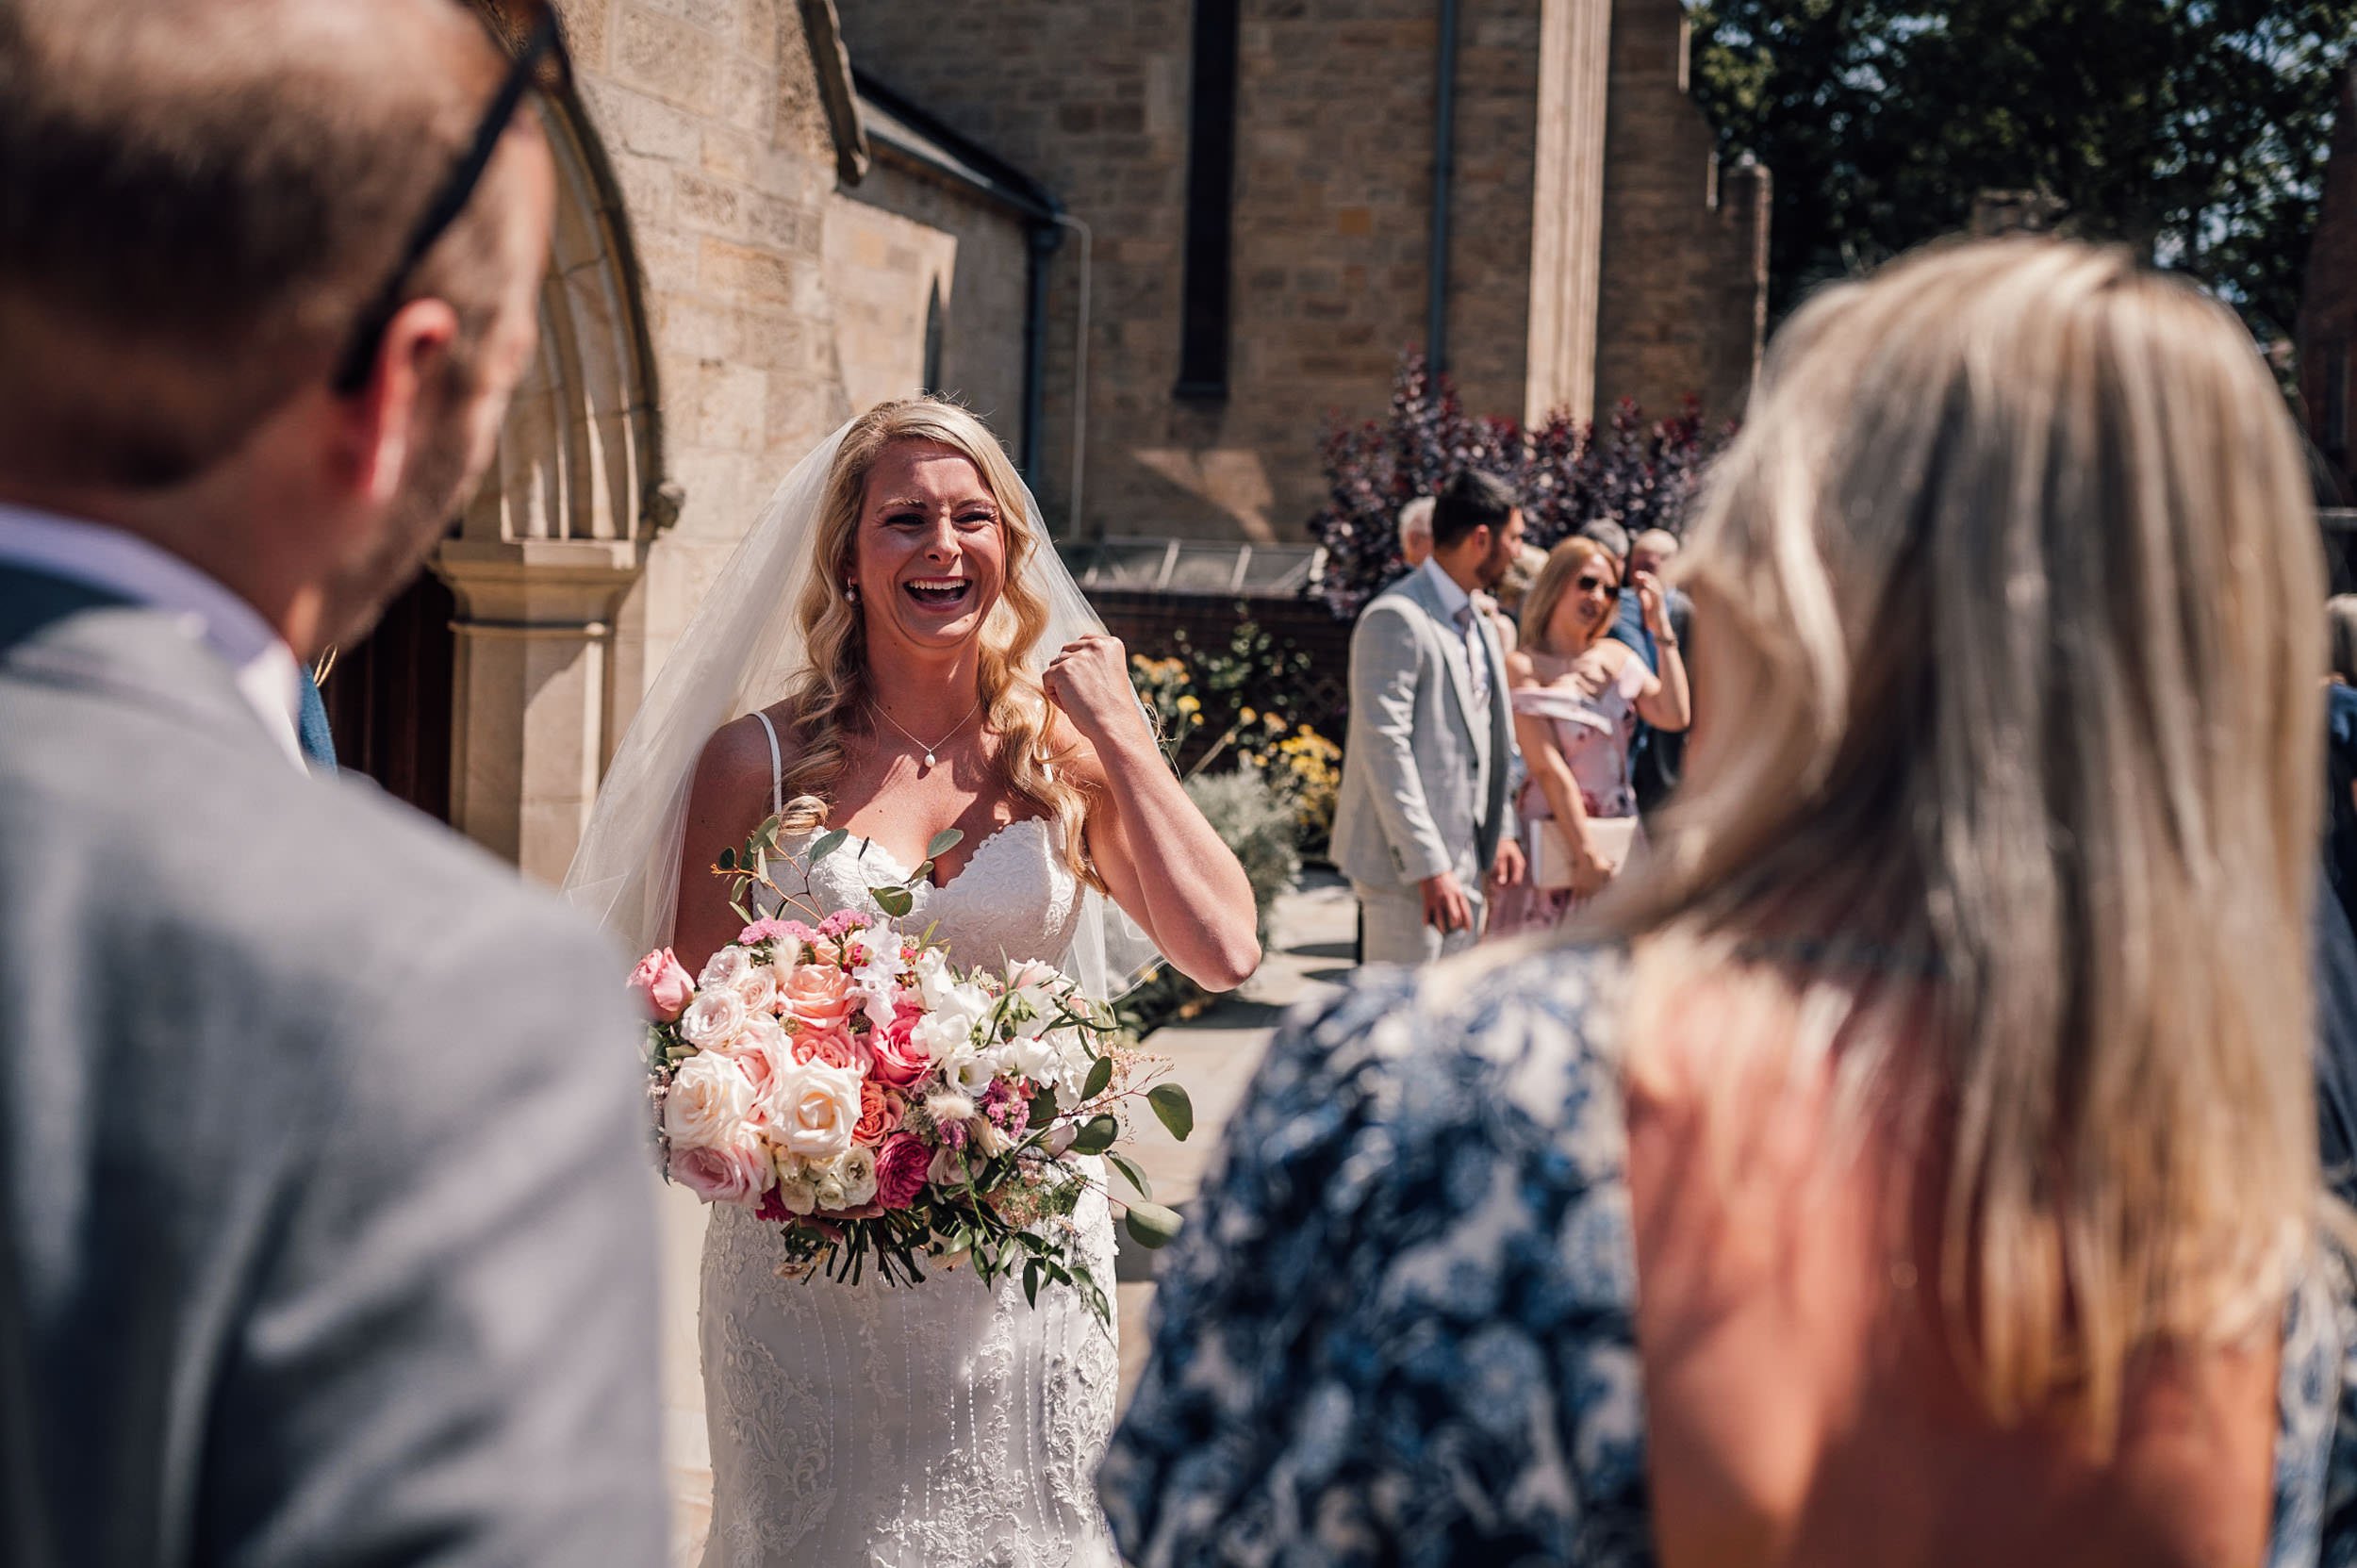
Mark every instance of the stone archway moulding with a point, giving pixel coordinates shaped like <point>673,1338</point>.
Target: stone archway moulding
<point>559,534</point>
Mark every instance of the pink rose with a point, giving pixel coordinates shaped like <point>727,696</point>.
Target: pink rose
<point>819,995</point>
<point>899,1061</point>
<point>900,1167</point>
<point>736,1172</point>
<point>665,985</point>
<point>831,1047</point>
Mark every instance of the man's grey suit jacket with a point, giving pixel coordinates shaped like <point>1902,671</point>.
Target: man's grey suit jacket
<point>325,1234</point>
<point>1425,772</point>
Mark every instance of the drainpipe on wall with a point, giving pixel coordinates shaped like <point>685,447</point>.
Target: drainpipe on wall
<point>1079,380</point>
<point>1443,157</point>
<point>1044,236</point>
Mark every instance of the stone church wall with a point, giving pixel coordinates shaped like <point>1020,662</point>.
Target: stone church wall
<point>1684,296</point>
<point>902,246</point>
<point>1332,212</point>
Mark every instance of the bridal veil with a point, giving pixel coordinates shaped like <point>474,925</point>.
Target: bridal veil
<point>740,652</point>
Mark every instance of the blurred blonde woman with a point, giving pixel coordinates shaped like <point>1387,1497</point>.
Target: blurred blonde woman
<point>1578,695</point>
<point>1915,1164</point>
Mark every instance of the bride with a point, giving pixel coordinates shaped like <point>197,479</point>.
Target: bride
<point>897,650</point>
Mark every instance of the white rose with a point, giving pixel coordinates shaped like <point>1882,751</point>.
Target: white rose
<point>989,1139</point>
<point>725,967</point>
<point>707,1103</point>
<point>812,1108</point>
<point>715,1017</point>
<point>797,1191</point>
<point>757,988</point>
<point>828,1190</point>
<point>968,1072</point>
<point>856,1171</point>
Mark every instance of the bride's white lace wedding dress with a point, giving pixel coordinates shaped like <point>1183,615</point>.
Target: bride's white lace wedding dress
<point>940,1426</point>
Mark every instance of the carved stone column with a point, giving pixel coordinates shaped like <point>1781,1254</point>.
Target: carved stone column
<point>1567,206</point>
<point>534,690</point>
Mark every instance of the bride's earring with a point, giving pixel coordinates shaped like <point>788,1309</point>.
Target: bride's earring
<point>850,592</point>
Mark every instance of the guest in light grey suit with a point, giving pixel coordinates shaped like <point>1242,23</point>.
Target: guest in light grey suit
<point>324,1231</point>
<point>1422,824</point>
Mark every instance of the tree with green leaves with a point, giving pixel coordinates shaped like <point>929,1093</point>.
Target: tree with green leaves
<point>2194,129</point>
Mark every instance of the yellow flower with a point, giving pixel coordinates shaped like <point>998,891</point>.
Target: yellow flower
<point>1188,705</point>
<point>1249,716</point>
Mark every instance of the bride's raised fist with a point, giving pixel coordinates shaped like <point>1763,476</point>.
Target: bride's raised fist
<point>1090,681</point>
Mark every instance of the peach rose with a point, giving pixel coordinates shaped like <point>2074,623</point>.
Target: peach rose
<point>760,1054</point>
<point>819,995</point>
<point>897,1060</point>
<point>812,1108</point>
<point>880,1113</point>
<point>666,987</point>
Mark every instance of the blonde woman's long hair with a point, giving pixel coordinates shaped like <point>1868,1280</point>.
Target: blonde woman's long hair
<point>2008,582</point>
<point>831,698</point>
<point>1555,580</point>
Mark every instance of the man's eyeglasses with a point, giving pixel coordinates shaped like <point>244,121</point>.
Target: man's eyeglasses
<point>540,61</point>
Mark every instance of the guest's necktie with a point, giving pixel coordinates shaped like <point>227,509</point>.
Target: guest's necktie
<point>1476,654</point>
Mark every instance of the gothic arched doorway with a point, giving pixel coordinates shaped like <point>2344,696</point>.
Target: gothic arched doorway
<point>389,697</point>
<point>487,696</point>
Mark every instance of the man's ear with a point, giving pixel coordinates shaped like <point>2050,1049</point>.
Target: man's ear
<point>382,420</point>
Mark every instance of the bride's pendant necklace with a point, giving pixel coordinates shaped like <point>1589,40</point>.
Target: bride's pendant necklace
<point>929,759</point>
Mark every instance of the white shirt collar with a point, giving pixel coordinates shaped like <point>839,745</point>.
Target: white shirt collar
<point>122,563</point>
<point>1453,599</point>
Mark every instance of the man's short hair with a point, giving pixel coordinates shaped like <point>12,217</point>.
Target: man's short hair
<point>1660,541</point>
<point>1609,533</point>
<point>1470,500</point>
<point>1416,517</point>
<point>197,201</point>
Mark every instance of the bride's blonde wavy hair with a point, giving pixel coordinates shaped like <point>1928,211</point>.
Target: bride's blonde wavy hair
<point>2007,592</point>
<point>829,699</point>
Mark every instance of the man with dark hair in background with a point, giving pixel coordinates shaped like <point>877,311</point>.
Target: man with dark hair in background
<point>1422,824</point>
<point>323,1233</point>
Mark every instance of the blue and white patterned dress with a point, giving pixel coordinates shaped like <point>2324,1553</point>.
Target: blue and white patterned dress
<point>1399,1328</point>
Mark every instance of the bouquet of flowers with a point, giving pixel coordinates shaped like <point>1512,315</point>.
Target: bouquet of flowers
<point>848,1080</point>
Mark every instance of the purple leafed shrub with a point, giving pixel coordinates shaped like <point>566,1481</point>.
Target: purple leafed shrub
<point>1638,474</point>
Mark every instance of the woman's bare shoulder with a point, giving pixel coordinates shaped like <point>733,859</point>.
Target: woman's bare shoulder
<point>736,757</point>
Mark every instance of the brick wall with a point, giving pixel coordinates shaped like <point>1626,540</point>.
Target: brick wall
<point>2327,315</point>
<point>1684,292</point>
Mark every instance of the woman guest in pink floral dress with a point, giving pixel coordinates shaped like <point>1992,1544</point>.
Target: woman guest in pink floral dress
<point>1577,696</point>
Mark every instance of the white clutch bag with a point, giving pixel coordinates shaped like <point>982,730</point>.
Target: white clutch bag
<point>1551,854</point>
